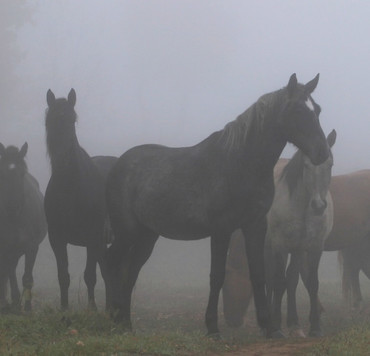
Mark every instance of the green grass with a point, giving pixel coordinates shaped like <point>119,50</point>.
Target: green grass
<point>354,341</point>
<point>50,332</point>
<point>168,322</point>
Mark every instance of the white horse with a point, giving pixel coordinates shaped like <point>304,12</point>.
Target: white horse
<point>299,221</point>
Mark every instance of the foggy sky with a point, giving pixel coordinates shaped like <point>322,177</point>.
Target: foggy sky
<point>172,72</point>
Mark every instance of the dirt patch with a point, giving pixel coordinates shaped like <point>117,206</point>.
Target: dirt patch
<point>276,348</point>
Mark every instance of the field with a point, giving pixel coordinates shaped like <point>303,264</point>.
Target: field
<point>168,319</point>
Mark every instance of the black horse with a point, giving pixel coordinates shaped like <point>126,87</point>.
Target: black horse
<point>22,223</point>
<point>223,183</point>
<point>75,199</point>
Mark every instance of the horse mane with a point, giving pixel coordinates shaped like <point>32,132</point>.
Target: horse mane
<point>293,171</point>
<point>255,118</point>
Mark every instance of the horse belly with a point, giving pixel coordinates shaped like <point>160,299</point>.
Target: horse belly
<point>175,228</point>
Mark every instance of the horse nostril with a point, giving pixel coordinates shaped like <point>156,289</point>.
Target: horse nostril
<point>318,206</point>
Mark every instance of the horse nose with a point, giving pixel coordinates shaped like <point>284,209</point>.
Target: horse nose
<point>318,206</point>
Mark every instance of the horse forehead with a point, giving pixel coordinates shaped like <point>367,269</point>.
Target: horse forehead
<point>309,104</point>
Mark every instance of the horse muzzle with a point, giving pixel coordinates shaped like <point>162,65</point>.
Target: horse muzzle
<point>318,206</point>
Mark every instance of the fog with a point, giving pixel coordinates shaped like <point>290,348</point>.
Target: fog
<point>173,72</point>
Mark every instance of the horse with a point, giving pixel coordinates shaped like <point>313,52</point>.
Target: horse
<point>22,224</point>
<point>223,183</point>
<point>75,198</point>
<point>299,221</point>
<point>351,230</point>
<point>353,259</point>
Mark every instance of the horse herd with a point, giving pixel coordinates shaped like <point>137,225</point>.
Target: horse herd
<point>118,207</point>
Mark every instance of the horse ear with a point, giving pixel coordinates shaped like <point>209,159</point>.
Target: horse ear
<point>50,98</point>
<point>72,97</point>
<point>332,137</point>
<point>311,85</point>
<point>2,149</point>
<point>292,85</point>
<point>24,150</point>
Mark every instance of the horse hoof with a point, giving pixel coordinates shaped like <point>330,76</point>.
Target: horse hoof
<point>214,336</point>
<point>297,332</point>
<point>277,334</point>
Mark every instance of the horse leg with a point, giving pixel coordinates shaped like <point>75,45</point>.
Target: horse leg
<point>14,290</point>
<point>140,253</point>
<point>346,280</point>
<point>279,287</point>
<point>269,258</point>
<point>61,256</point>
<point>90,274</point>
<point>356,289</point>
<point>254,235</point>
<point>292,277</point>
<point>219,247</point>
<point>304,273</point>
<point>27,279</point>
<point>105,274</point>
<point>118,259</point>
<point>313,260</point>
<point>4,276</point>
<point>272,276</point>
<point>351,271</point>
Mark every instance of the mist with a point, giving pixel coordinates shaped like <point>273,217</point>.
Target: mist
<point>173,72</point>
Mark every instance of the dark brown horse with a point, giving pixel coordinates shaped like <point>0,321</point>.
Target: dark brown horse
<point>223,183</point>
<point>354,259</point>
<point>75,197</point>
<point>351,230</point>
<point>22,223</point>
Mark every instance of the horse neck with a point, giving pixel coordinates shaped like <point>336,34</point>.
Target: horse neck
<point>261,146</point>
<point>63,149</point>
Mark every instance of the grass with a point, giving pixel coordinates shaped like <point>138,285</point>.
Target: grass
<point>50,332</point>
<point>169,321</point>
<point>354,341</point>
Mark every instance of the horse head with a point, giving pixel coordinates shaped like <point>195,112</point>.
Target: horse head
<point>12,171</point>
<point>299,120</point>
<point>317,179</point>
<point>60,122</point>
